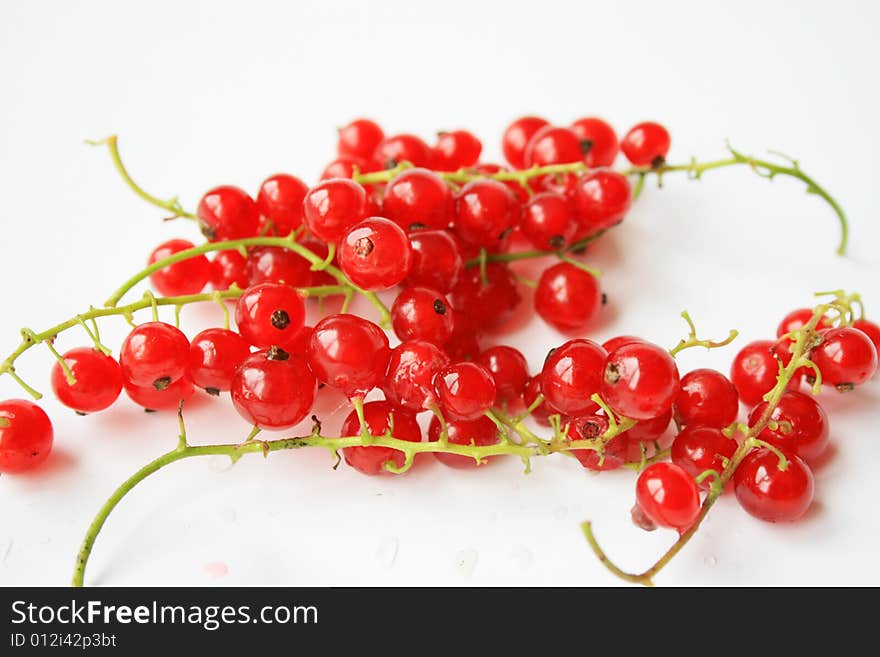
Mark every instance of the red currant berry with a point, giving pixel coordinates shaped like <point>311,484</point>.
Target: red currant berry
<point>601,199</point>
<point>228,213</point>
<point>801,425</point>
<point>640,381</point>
<point>668,496</point>
<point>422,314</point>
<point>161,400</point>
<point>275,264</point>
<point>598,141</point>
<point>646,144</point>
<point>280,203</point>
<point>647,431</point>
<point>344,167</point>
<point>455,150</point>
<point>332,207</point>
<point>517,137</point>
<point>706,397</point>
<point>781,350</point>
<point>359,139</point>
<point>572,374</point>
<point>418,198</point>
<point>270,314</point>
<point>154,354</point>
<point>465,341</point>
<point>228,269</point>
<point>590,427</point>
<point>753,371</point>
<point>486,211</point>
<point>618,341</point>
<point>272,389</point>
<point>553,145</point>
<point>379,416</point>
<point>214,355</point>
<point>465,390</point>
<point>436,260</point>
<point>509,370</point>
<point>185,277</point>
<point>548,222</point>
<point>542,411</point>
<point>797,319</point>
<point>411,369</point>
<point>391,151</point>
<point>521,193</point>
<point>98,380</point>
<point>769,493</point>
<point>870,329</point>
<point>480,432</point>
<point>300,344</point>
<point>375,254</point>
<point>567,298</point>
<point>846,357</point>
<point>349,353</point>
<point>487,304</point>
<point>699,448</point>
<point>25,436</point>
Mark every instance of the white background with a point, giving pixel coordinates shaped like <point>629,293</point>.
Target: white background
<point>209,93</point>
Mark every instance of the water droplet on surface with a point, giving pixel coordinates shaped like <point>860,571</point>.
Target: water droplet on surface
<point>386,553</point>
<point>466,561</point>
<point>522,556</point>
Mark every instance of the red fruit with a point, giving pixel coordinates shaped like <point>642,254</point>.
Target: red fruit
<point>480,432</point>
<point>300,344</point>
<point>517,137</point>
<point>590,427</point>
<point>465,390</point>
<point>270,314</point>
<point>567,298</point>
<point>870,329</point>
<point>275,264</point>
<point>375,254</point>
<point>521,193</point>
<point>802,425</point>
<point>618,341</point>
<point>98,380</point>
<point>280,204</point>
<point>753,371</point>
<point>185,277</point>
<point>436,260</point>
<point>798,318</point>
<point>228,269</point>
<point>273,390</point>
<point>332,207</point>
<point>601,199</point>
<point>214,355</point>
<point>154,354</point>
<point>422,314</point>
<point>640,381</point>
<point>464,343</point>
<point>698,448</point>
<point>344,167</point>
<point>359,139</point>
<point>706,397</point>
<point>646,144</point>
<point>553,145</point>
<point>487,304</point>
<point>486,211</point>
<point>769,493</point>
<point>509,370</point>
<point>378,417</point>
<point>572,374</point>
<point>349,353</point>
<point>598,141</point>
<point>411,370</point>
<point>668,496</point>
<point>391,151</point>
<point>846,357</point>
<point>548,221</point>
<point>227,213</point>
<point>25,436</point>
<point>418,198</point>
<point>455,150</point>
<point>167,399</point>
<point>542,411</point>
<point>647,431</point>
